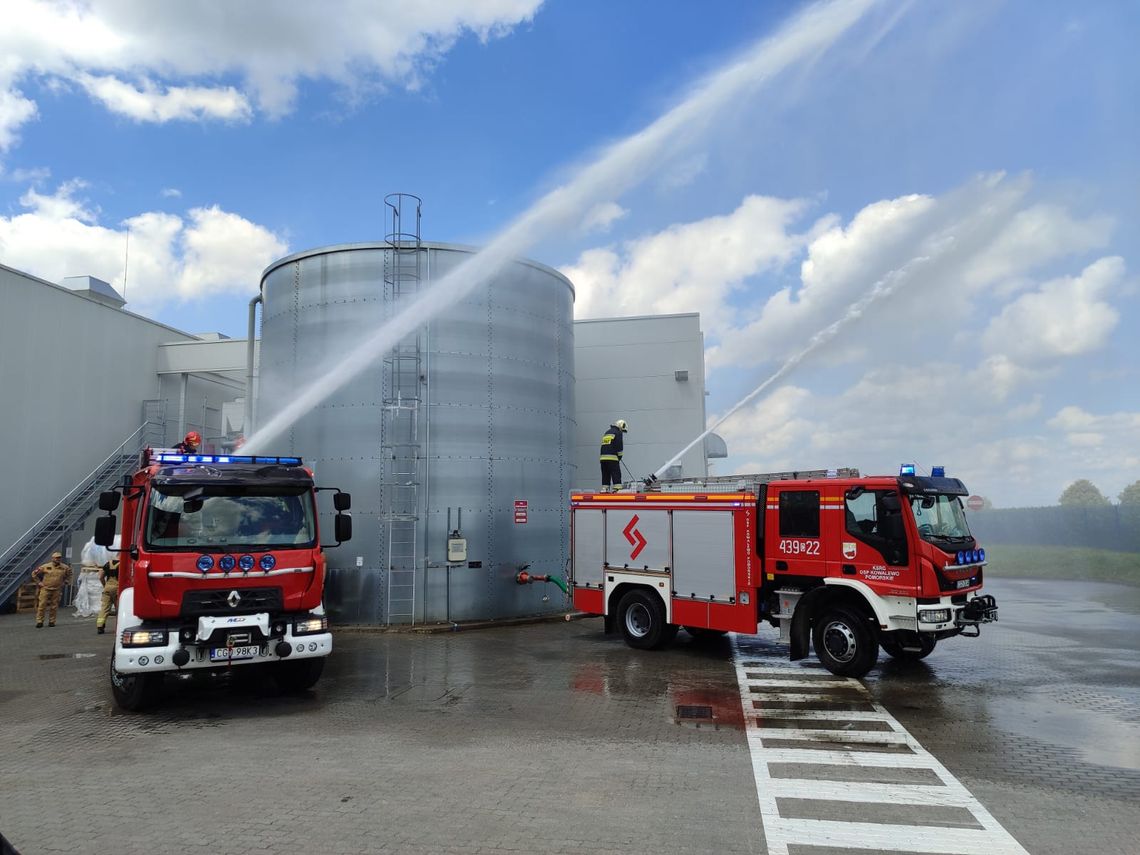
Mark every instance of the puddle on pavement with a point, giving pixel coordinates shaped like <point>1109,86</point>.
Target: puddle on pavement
<point>1099,738</point>
<point>66,656</point>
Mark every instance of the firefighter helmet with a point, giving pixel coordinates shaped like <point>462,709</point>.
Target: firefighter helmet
<point>193,438</point>
<point>621,425</point>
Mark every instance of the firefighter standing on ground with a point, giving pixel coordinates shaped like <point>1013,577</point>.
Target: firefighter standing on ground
<point>109,576</point>
<point>50,579</point>
<point>612,447</point>
<point>190,443</point>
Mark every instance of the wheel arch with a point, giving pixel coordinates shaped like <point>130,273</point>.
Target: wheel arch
<point>623,587</point>
<point>839,592</point>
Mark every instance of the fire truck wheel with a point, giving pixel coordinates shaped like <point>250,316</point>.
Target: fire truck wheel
<point>844,642</point>
<point>299,675</point>
<point>892,646</point>
<point>642,619</point>
<point>134,692</point>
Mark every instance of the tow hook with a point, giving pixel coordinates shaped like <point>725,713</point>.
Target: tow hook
<point>981,609</point>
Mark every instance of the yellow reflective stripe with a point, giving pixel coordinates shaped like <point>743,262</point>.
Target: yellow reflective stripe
<point>612,457</point>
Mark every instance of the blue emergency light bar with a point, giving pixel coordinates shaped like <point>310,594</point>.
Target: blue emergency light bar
<point>938,472</point>
<point>906,469</point>
<point>225,458</point>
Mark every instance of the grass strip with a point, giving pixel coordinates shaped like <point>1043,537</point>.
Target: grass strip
<point>1060,562</point>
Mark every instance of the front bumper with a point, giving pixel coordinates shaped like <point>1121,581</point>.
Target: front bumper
<point>976,610</point>
<point>161,657</point>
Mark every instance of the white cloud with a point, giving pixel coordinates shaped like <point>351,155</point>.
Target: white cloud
<point>180,52</point>
<point>149,103</point>
<point>602,216</point>
<point>687,267</point>
<point>210,251</point>
<point>683,173</point>
<point>170,193</point>
<point>1063,318</point>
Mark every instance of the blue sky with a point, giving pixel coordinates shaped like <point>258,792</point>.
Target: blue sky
<point>995,142</point>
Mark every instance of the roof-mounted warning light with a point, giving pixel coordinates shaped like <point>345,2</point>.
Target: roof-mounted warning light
<point>906,469</point>
<point>938,472</point>
<point>214,459</point>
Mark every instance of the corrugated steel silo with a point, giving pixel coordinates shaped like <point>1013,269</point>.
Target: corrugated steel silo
<point>453,427</point>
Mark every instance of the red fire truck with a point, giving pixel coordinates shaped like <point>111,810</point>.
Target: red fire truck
<point>834,560</point>
<point>221,565</point>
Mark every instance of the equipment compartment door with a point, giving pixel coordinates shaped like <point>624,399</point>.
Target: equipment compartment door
<point>589,540</point>
<point>638,539</point>
<point>703,550</point>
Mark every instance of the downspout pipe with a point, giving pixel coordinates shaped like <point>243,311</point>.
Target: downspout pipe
<point>247,428</point>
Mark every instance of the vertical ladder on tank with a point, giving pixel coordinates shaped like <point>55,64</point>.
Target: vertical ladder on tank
<point>401,447</point>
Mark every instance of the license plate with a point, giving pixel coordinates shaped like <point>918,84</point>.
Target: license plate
<point>964,583</point>
<point>225,654</point>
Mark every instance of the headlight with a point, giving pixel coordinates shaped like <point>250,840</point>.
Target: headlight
<point>267,562</point>
<point>934,615</point>
<point>246,563</point>
<point>204,563</point>
<point>143,637</point>
<point>309,625</point>
<point>227,562</point>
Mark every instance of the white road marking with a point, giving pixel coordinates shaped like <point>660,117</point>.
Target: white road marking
<point>767,681</point>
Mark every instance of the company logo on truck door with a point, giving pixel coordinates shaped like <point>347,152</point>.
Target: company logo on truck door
<point>634,537</point>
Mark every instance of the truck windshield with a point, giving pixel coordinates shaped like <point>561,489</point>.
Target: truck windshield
<point>940,518</point>
<point>228,518</point>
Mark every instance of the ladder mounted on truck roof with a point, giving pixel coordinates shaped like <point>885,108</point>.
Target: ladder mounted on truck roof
<point>744,483</point>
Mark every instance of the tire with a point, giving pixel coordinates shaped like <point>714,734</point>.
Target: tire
<point>892,646</point>
<point>641,617</point>
<point>700,633</point>
<point>299,675</point>
<point>844,642</point>
<point>135,692</point>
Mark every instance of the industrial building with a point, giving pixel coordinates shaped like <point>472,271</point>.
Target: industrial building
<point>481,422</point>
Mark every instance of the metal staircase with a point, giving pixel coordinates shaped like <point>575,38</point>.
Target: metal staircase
<point>50,530</point>
<point>400,438</point>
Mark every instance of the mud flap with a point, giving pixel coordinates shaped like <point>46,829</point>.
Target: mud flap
<point>801,625</point>
<point>609,624</point>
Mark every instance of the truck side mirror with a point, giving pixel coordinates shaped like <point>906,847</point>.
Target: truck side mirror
<point>342,502</point>
<point>109,501</point>
<point>105,530</point>
<point>342,527</point>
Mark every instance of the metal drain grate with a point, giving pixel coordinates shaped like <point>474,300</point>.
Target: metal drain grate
<point>690,712</point>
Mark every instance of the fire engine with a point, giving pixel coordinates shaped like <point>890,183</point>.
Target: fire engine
<point>836,561</point>
<point>221,565</point>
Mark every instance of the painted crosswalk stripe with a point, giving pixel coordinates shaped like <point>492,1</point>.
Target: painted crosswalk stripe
<point>813,764</point>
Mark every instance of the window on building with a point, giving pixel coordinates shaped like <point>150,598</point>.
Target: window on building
<point>799,513</point>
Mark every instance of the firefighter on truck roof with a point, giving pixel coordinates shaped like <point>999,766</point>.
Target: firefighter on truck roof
<point>610,457</point>
<point>50,579</point>
<point>190,443</point>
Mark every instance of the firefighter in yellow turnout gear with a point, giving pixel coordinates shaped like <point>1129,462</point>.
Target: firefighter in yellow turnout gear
<point>612,448</point>
<point>109,576</point>
<point>50,578</point>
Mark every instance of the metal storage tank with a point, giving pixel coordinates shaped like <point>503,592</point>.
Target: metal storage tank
<point>452,429</point>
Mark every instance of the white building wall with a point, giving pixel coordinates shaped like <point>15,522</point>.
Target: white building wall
<point>74,374</point>
<point>625,368</point>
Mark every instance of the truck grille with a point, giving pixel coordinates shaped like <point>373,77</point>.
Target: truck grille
<point>218,601</point>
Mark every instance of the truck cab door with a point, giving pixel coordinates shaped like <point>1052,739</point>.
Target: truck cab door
<point>873,543</point>
<point>792,541</point>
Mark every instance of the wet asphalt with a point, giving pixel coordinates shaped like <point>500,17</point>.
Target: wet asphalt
<point>550,737</point>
